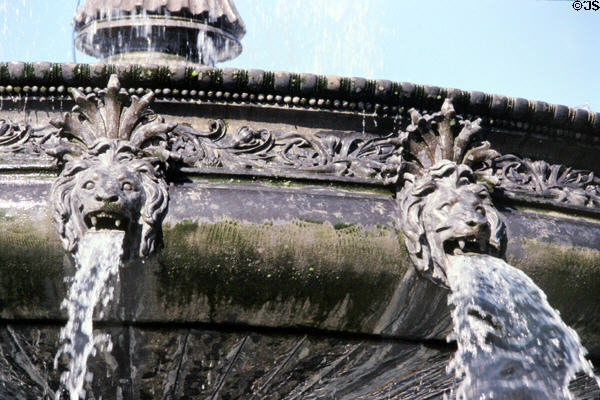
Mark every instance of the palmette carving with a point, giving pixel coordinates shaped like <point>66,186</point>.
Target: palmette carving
<point>111,149</point>
<point>442,208</point>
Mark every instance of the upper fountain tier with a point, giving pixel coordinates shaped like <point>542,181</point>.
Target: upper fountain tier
<point>186,31</point>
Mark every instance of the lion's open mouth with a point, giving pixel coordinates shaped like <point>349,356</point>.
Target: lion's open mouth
<point>106,220</point>
<point>462,245</point>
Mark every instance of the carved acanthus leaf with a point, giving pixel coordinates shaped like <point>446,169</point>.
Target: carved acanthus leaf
<point>336,153</point>
<point>443,135</point>
<point>23,138</point>
<point>554,182</point>
<point>13,136</point>
<point>113,115</point>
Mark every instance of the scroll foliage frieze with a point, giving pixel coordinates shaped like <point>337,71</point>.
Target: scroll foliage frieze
<point>555,182</point>
<point>21,138</point>
<point>335,153</point>
<point>420,138</point>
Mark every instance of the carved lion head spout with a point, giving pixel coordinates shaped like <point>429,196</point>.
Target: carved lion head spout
<point>443,210</point>
<point>109,188</point>
<point>109,179</point>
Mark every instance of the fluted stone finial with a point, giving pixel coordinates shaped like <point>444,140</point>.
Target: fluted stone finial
<point>159,31</point>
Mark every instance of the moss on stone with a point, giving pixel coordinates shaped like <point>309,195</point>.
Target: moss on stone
<point>4,73</point>
<point>30,262</point>
<point>570,277</point>
<point>54,74</point>
<point>82,73</point>
<point>294,83</point>
<point>250,265</point>
<point>341,225</point>
<point>215,75</point>
<point>268,83</point>
<point>133,74</point>
<point>320,85</point>
<point>106,71</point>
<point>28,71</point>
<point>346,86</point>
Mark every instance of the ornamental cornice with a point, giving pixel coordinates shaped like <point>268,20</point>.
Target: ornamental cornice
<point>419,140</point>
<point>384,98</point>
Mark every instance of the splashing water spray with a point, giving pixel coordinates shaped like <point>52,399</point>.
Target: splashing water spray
<point>511,343</point>
<point>98,259</point>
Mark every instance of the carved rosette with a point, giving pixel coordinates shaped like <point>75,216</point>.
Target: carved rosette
<point>442,208</point>
<point>112,151</point>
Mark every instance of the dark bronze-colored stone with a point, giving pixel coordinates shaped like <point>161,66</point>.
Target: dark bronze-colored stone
<point>111,177</point>
<point>442,208</point>
<point>284,272</point>
<point>551,181</point>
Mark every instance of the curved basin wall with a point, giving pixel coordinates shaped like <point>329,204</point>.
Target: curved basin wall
<point>298,252</point>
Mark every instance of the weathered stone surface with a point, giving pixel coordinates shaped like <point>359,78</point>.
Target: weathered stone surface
<point>222,240</point>
<point>267,270</point>
<point>149,363</point>
<point>111,176</point>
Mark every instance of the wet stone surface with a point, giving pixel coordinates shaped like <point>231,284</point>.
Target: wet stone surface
<point>188,363</point>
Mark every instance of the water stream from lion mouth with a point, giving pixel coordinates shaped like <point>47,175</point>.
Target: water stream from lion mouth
<point>98,259</point>
<point>511,343</point>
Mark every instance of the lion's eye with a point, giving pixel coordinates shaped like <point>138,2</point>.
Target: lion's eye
<point>127,186</point>
<point>444,207</point>
<point>89,185</point>
<point>463,181</point>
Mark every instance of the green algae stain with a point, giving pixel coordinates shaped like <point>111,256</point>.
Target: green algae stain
<point>570,277</point>
<point>251,265</point>
<point>30,263</point>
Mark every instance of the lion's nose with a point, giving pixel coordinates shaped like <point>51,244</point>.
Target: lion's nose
<point>106,196</point>
<point>475,219</point>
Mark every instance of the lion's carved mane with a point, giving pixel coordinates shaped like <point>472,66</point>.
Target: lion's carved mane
<point>445,212</point>
<point>112,150</point>
<point>104,163</point>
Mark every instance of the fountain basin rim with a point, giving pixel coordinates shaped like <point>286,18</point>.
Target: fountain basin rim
<point>319,92</point>
<point>515,112</point>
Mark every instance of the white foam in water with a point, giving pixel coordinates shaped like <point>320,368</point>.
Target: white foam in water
<point>98,259</point>
<point>511,343</point>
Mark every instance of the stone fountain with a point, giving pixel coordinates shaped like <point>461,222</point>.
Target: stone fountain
<point>281,230</point>
<point>166,31</point>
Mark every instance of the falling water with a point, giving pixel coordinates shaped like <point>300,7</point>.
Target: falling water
<point>98,259</point>
<point>511,343</point>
